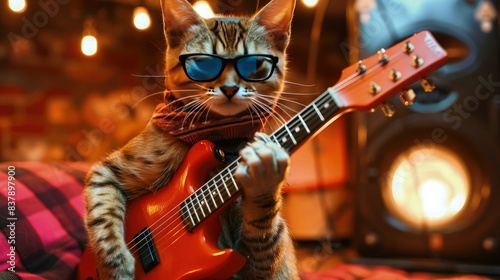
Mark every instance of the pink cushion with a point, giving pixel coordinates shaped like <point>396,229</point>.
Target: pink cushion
<point>47,222</point>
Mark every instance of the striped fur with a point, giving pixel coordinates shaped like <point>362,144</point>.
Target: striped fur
<point>149,160</point>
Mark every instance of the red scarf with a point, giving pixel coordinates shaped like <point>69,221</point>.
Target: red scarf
<point>171,116</point>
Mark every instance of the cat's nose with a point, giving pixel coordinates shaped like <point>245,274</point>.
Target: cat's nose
<point>229,91</point>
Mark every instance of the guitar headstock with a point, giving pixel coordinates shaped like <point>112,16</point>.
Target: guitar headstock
<point>372,81</point>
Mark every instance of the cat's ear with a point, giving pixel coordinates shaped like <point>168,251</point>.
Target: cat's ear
<point>178,17</point>
<point>276,17</point>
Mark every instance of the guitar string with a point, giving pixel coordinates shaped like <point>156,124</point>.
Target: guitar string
<point>339,86</point>
<point>229,170</point>
<point>161,240</point>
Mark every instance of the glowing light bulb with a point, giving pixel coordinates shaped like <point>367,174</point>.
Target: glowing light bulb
<point>203,9</point>
<point>89,45</point>
<point>141,18</point>
<point>310,3</point>
<point>17,6</point>
<point>428,186</point>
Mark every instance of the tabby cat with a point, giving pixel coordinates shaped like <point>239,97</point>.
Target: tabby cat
<point>223,77</point>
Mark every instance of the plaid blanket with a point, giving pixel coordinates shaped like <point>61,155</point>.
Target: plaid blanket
<point>41,219</point>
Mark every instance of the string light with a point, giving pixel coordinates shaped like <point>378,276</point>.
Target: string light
<point>486,15</point>
<point>141,18</point>
<point>310,3</point>
<point>364,8</point>
<point>203,9</point>
<point>17,6</point>
<point>89,40</point>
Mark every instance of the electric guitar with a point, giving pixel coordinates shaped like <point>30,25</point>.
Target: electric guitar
<point>173,233</point>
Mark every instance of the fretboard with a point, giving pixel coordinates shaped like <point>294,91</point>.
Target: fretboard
<point>222,187</point>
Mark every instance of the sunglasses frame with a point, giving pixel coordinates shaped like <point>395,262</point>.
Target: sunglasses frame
<point>274,60</point>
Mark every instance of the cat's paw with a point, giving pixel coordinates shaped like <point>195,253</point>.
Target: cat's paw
<point>121,266</point>
<point>263,169</point>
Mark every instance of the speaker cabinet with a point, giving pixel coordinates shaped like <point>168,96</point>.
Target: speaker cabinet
<point>428,180</point>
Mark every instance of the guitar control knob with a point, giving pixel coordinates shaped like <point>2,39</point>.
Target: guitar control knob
<point>427,85</point>
<point>219,154</point>
<point>407,97</point>
<point>388,109</point>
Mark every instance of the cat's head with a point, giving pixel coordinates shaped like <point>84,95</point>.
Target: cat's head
<point>227,66</point>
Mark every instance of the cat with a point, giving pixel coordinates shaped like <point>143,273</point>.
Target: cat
<point>212,80</point>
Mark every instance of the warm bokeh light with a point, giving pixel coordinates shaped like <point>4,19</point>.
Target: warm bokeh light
<point>89,45</point>
<point>310,3</point>
<point>427,186</point>
<point>141,18</point>
<point>17,6</point>
<point>203,9</point>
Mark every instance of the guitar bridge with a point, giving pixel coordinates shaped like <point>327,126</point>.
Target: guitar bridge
<point>146,249</point>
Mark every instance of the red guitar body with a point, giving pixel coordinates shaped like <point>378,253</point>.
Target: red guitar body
<point>194,254</point>
<point>182,254</point>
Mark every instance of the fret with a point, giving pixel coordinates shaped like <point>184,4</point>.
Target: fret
<point>206,203</point>
<point>303,123</point>
<point>291,135</point>
<point>225,186</point>
<point>276,139</point>
<point>192,209</point>
<point>218,192</point>
<point>212,193</point>
<point>234,182</point>
<point>327,105</point>
<point>298,130</point>
<point>188,212</point>
<point>318,112</point>
<point>201,207</point>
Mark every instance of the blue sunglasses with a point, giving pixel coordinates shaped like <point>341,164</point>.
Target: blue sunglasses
<point>202,67</point>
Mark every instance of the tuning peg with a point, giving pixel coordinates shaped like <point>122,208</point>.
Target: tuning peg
<point>407,97</point>
<point>395,75</point>
<point>388,109</point>
<point>382,57</point>
<point>361,67</point>
<point>408,47</point>
<point>374,88</point>
<point>416,61</point>
<point>427,85</point>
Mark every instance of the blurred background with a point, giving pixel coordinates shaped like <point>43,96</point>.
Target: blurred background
<point>81,78</point>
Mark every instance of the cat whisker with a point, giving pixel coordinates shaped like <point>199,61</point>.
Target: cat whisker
<point>194,112</point>
<point>299,84</point>
<point>148,76</point>
<point>202,86</point>
<point>293,101</point>
<point>285,107</point>
<point>253,107</point>
<point>268,108</point>
<point>146,97</point>
<point>183,90</point>
<point>298,93</point>
<point>201,109</point>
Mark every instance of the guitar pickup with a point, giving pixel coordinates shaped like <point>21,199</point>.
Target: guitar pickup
<point>146,248</point>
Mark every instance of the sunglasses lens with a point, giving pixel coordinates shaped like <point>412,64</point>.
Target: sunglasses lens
<point>255,67</point>
<point>202,67</point>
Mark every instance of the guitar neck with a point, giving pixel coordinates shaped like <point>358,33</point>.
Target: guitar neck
<point>361,87</point>
<point>308,122</point>
<point>222,187</point>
